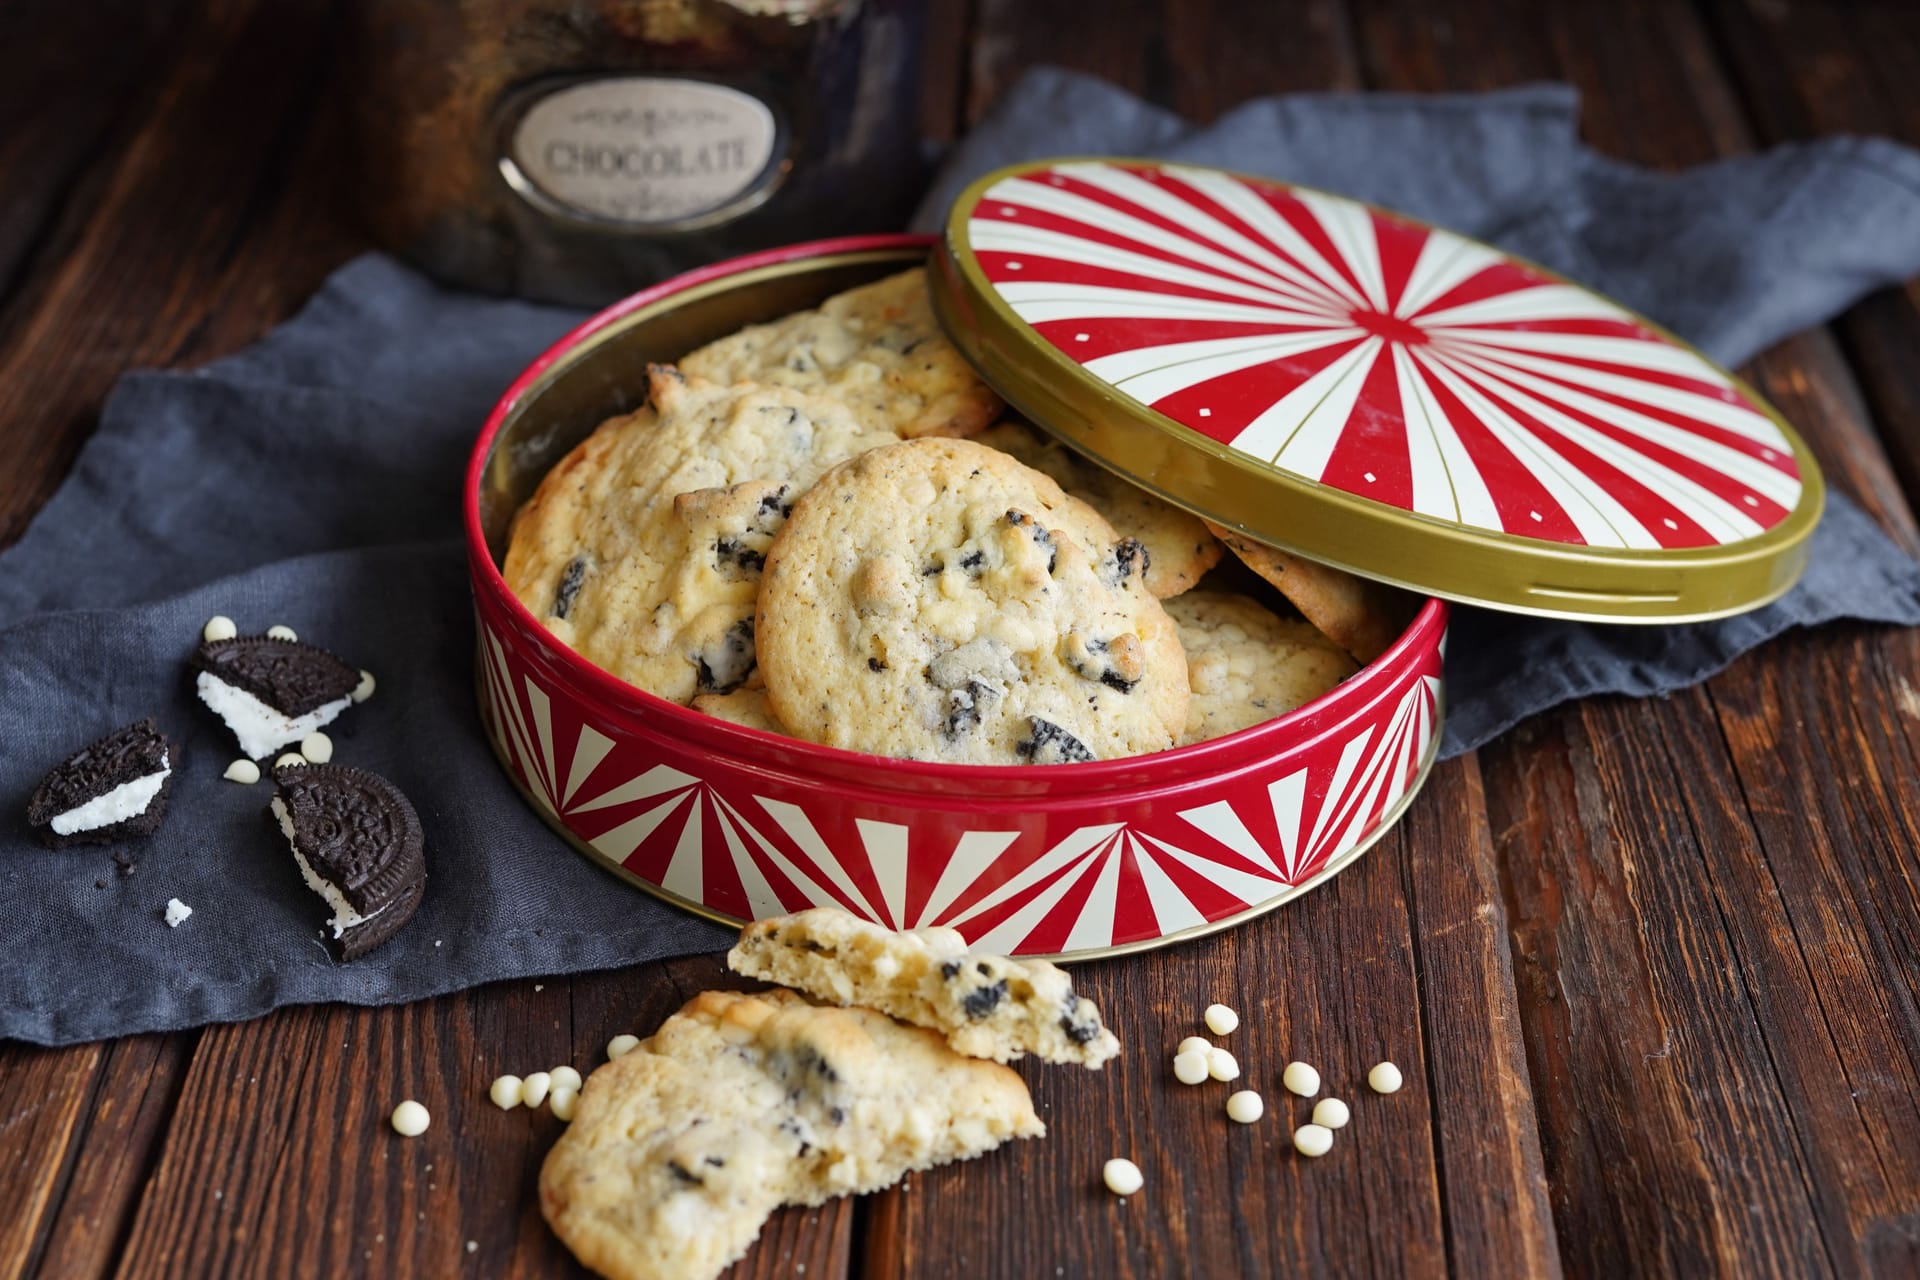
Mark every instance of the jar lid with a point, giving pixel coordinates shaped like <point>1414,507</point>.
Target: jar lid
<point>1374,393</point>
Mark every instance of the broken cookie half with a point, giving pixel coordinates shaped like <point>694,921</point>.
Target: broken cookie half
<point>358,844</point>
<point>271,692</point>
<point>987,1006</point>
<point>110,789</point>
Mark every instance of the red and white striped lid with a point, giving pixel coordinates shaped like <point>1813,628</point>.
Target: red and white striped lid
<point>1375,393</point>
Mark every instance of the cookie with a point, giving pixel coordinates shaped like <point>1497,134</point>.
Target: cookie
<point>642,548</point>
<point>112,789</point>
<point>987,1006</point>
<point>738,1104</point>
<point>1246,664</point>
<point>1179,547</point>
<point>938,600</point>
<point>878,348</point>
<point>1361,616</point>
<point>358,844</point>
<point>271,693</point>
<point>742,706</point>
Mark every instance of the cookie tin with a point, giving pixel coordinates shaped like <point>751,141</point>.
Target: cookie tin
<point>1375,393</point>
<point>1074,860</point>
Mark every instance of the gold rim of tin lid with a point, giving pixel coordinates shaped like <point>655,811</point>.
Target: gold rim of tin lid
<point>1062,270</point>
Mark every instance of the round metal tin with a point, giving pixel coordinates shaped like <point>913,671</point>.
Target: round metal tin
<point>1375,393</point>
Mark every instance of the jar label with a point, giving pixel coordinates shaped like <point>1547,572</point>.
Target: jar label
<point>645,151</point>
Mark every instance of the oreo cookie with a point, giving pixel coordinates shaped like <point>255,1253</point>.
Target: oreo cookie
<point>113,789</point>
<point>271,693</point>
<point>358,845</point>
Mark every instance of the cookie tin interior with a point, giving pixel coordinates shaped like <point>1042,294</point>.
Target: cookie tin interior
<point>1375,393</point>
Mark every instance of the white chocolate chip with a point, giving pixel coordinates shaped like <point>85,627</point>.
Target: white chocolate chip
<point>177,911</point>
<point>410,1119</point>
<point>566,1078</point>
<point>317,747</point>
<point>281,631</point>
<point>1385,1078</point>
<point>1245,1106</point>
<point>533,1090</point>
<point>1122,1176</point>
<point>243,771</point>
<point>219,627</point>
<point>561,1101</point>
<point>505,1092</point>
<point>622,1045</point>
<point>1190,1068</point>
<point>1222,1065</point>
<point>1221,1020</point>
<point>363,690</point>
<point>289,759</point>
<point>1301,1079</point>
<point>1194,1044</point>
<point>1313,1140</point>
<point>1331,1113</point>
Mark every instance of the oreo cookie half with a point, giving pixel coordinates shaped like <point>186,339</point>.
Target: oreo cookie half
<point>109,790</point>
<point>271,693</point>
<point>358,844</point>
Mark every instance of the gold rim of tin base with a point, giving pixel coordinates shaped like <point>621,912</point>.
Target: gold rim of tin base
<point>1388,821</point>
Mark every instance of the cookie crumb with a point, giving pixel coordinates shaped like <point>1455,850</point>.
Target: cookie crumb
<point>410,1119</point>
<point>219,627</point>
<point>1122,1176</point>
<point>124,864</point>
<point>177,911</point>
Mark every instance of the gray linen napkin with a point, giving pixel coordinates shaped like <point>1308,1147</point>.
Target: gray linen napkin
<point>314,480</point>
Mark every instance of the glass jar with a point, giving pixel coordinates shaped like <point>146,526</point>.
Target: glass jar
<point>576,150</point>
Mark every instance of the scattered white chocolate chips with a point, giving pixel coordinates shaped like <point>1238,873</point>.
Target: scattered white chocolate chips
<point>566,1078</point>
<point>1385,1078</point>
<point>561,1102</point>
<point>621,1045</point>
<point>1190,1068</point>
<point>505,1092</point>
<point>1222,1065</point>
<point>1194,1044</point>
<point>1313,1140</point>
<point>410,1119</point>
<point>363,690</point>
<point>219,627</point>
<point>1331,1113</point>
<point>1122,1176</point>
<point>317,747</point>
<point>243,771</point>
<point>289,759</point>
<point>533,1090</point>
<point>1221,1020</point>
<point>1245,1106</point>
<point>280,631</point>
<point>177,911</point>
<point>1301,1079</point>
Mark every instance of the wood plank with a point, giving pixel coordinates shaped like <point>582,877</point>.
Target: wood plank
<point>148,256</point>
<point>44,1096</point>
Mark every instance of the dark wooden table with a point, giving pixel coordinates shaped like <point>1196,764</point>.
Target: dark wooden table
<point>1652,968</point>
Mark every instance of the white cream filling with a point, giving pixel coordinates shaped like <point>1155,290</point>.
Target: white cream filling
<point>344,916</point>
<point>128,800</point>
<point>260,729</point>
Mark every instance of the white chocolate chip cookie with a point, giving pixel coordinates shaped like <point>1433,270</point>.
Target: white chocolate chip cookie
<point>938,600</point>
<point>878,348</point>
<point>1246,664</point>
<point>741,1103</point>
<point>987,1006</point>
<point>642,548</point>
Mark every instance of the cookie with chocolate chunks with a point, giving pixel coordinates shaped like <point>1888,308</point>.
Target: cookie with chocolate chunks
<point>112,789</point>
<point>358,844</point>
<point>271,693</point>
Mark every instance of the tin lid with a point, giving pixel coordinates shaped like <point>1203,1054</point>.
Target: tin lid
<point>1374,393</point>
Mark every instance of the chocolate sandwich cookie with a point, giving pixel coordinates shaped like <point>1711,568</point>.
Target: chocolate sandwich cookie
<point>358,844</point>
<point>112,789</point>
<point>271,693</point>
